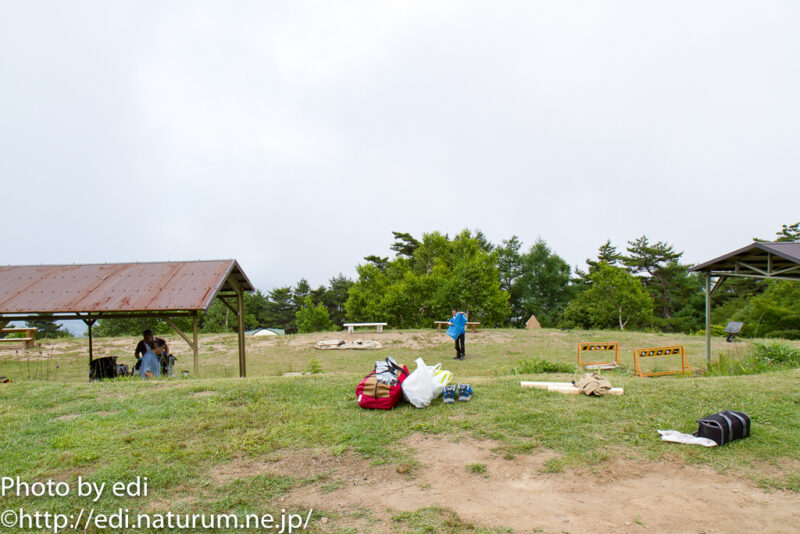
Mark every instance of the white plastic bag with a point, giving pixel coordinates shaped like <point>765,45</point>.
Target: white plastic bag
<point>440,380</point>
<point>418,387</point>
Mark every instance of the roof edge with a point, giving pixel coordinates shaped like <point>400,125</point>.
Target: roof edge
<point>761,245</point>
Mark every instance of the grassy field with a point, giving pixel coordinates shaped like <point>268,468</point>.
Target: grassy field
<point>179,432</point>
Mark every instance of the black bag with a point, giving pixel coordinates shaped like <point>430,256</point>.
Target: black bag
<point>724,427</point>
<point>101,368</point>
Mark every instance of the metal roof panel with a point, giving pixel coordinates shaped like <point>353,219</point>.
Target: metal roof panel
<point>116,287</point>
<point>755,254</point>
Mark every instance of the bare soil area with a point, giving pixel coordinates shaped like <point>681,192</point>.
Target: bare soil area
<point>483,488</point>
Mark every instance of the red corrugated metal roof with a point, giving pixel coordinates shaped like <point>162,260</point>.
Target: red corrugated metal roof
<point>117,287</point>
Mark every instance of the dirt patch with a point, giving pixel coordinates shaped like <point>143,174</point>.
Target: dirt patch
<point>524,493</point>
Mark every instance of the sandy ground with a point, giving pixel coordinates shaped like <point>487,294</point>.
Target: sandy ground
<point>621,496</point>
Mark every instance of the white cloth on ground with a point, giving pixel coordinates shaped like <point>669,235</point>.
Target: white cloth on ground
<point>679,437</point>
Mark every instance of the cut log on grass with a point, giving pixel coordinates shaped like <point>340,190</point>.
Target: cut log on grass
<point>563,387</point>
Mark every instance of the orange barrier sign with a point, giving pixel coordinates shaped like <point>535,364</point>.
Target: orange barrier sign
<point>652,352</point>
<point>598,347</point>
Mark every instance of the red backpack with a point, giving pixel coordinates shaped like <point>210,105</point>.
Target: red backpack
<point>374,394</point>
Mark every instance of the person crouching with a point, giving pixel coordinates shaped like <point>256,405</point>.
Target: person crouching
<point>151,366</point>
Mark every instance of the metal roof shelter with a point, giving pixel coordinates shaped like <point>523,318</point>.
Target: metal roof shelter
<point>123,291</point>
<point>777,260</point>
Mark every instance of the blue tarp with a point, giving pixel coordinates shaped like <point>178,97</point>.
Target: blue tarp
<point>457,325</point>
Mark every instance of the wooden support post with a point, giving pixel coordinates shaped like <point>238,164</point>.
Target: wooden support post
<point>193,343</point>
<point>240,314</point>
<point>708,317</point>
<point>195,347</point>
<point>228,304</point>
<point>89,323</point>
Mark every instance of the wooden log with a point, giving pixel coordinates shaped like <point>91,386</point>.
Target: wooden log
<point>563,387</point>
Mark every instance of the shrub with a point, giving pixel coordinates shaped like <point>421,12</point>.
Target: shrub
<point>783,334</point>
<point>536,366</point>
<point>754,359</point>
<point>310,318</point>
<point>777,353</point>
<point>716,330</point>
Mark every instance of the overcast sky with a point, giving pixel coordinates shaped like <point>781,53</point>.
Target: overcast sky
<point>295,136</point>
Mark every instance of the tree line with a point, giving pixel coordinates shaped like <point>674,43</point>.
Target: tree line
<point>641,286</point>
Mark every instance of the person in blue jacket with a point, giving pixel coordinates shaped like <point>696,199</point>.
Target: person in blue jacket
<point>457,330</point>
<point>150,364</point>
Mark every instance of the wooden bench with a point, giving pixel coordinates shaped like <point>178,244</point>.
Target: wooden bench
<point>27,341</point>
<point>351,326</point>
<point>439,324</point>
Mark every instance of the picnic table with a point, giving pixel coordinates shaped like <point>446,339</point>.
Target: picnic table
<point>439,324</point>
<point>27,341</point>
<point>351,326</point>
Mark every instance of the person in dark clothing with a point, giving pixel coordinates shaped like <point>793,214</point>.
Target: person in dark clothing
<point>457,331</point>
<point>147,343</point>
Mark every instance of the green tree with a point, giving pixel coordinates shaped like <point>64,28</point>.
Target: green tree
<point>615,298</point>
<point>773,313</point>
<point>483,241</point>
<point>404,244</point>
<point>788,232</point>
<point>312,318</point>
<point>128,327</point>
<point>379,262</point>
<point>300,292</point>
<point>658,267</point>
<point>217,319</point>
<point>441,274</point>
<point>47,328</point>
<point>280,309</point>
<point>543,288</point>
<point>365,297</point>
<point>509,262</point>
<point>335,298</point>
<point>607,253</point>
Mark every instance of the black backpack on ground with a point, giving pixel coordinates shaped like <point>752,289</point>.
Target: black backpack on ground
<point>724,427</point>
<point>101,368</point>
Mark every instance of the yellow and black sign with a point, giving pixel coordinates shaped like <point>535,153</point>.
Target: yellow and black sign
<point>598,347</point>
<point>652,352</point>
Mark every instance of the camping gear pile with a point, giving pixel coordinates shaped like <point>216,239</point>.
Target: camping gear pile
<point>382,389</point>
<point>388,383</point>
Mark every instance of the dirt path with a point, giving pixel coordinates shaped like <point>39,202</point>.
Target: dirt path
<point>622,497</point>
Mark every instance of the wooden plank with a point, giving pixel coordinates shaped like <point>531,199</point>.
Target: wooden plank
<point>563,387</point>
<point>195,351</point>
<point>178,331</point>
<point>242,358</point>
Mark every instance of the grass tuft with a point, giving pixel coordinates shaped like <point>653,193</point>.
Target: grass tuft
<point>534,366</point>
